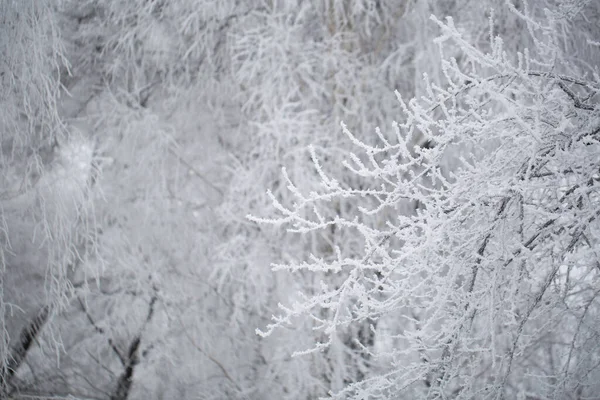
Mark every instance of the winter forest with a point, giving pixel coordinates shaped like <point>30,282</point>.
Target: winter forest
<point>299,199</point>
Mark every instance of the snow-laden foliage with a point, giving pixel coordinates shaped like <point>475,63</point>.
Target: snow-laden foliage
<point>198,104</point>
<point>45,172</point>
<point>139,158</point>
<point>488,288</point>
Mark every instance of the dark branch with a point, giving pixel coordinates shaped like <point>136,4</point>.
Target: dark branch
<point>126,378</point>
<point>101,331</point>
<point>19,351</point>
<point>576,100</point>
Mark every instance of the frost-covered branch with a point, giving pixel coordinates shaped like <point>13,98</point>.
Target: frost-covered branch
<point>504,194</point>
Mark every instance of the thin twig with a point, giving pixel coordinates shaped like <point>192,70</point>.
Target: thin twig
<point>576,100</point>
<point>210,357</point>
<point>195,171</point>
<point>102,331</point>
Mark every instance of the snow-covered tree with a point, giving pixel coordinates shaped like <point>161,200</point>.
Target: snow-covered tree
<point>46,172</point>
<point>130,271</point>
<point>162,83</point>
<point>473,260</point>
